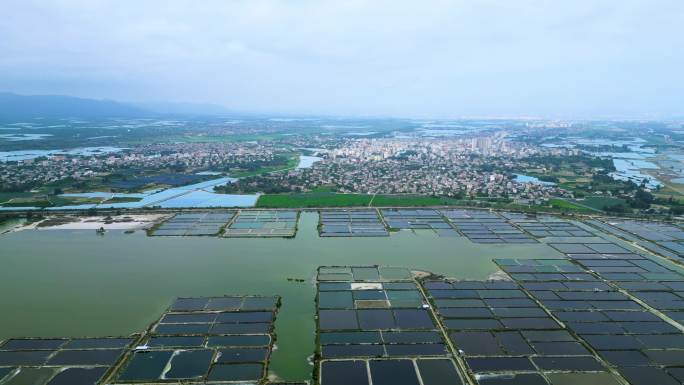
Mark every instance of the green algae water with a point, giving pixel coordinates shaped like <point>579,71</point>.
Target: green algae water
<point>74,283</point>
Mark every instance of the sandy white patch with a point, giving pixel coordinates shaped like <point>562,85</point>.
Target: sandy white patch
<point>366,286</point>
<point>120,222</point>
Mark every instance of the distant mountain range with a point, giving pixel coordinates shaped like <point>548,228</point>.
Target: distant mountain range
<point>184,108</point>
<point>14,106</point>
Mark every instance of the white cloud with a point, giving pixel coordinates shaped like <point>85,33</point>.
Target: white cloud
<point>443,58</point>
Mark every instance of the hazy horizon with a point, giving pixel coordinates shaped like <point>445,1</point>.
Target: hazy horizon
<point>433,59</point>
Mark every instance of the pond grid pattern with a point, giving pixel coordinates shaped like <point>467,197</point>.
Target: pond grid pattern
<point>351,223</point>
<point>582,319</point>
<point>185,224</point>
<point>263,223</point>
<point>665,239</point>
<point>418,219</point>
<point>208,340</point>
<point>486,227</point>
<point>374,326</point>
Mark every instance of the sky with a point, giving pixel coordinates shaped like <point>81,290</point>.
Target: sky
<point>427,58</point>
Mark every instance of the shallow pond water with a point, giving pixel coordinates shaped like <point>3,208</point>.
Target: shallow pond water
<point>75,283</point>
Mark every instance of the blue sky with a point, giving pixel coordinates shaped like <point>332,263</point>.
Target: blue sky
<point>555,58</point>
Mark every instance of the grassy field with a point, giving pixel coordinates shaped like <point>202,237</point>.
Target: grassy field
<point>329,199</point>
<point>324,189</point>
<point>313,200</point>
<point>6,197</point>
<point>42,200</point>
<point>411,200</point>
<point>122,200</point>
<point>566,205</point>
<point>36,203</point>
<point>598,202</point>
<point>670,189</point>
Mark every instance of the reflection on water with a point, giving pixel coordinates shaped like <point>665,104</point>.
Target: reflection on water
<point>198,195</point>
<point>630,170</point>
<point>23,137</point>
<point>32,154</point>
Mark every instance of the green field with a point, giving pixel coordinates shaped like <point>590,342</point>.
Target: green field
<point>41,200</point>
<point>36,203</point>
<point>561,204</point>
<point>313,200</point>
<point>328,199</point>
<point>6,197</point>
<point>411,200</point>
<point>598,202</point>
<point>323,189</point>
<point>122,200</point>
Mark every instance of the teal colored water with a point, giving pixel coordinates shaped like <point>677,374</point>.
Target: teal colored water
<point>75,283</point>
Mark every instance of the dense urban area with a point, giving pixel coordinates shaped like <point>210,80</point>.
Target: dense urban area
<point>617,167</point>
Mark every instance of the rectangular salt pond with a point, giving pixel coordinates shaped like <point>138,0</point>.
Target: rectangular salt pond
<point>209,223</point>
<point>118,284</point>
<point>206,339</point>
<point>629,336</point>
<point>488,227</point>
<point>666,239</point>
<point>365,316</point>
<point>190,355</point>
<point>351,223</point>
<point>263,223</point>
<point>416,219</point>
<point>59,361</point>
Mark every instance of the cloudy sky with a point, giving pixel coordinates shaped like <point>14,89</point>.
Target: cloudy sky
<point>427,58</point>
